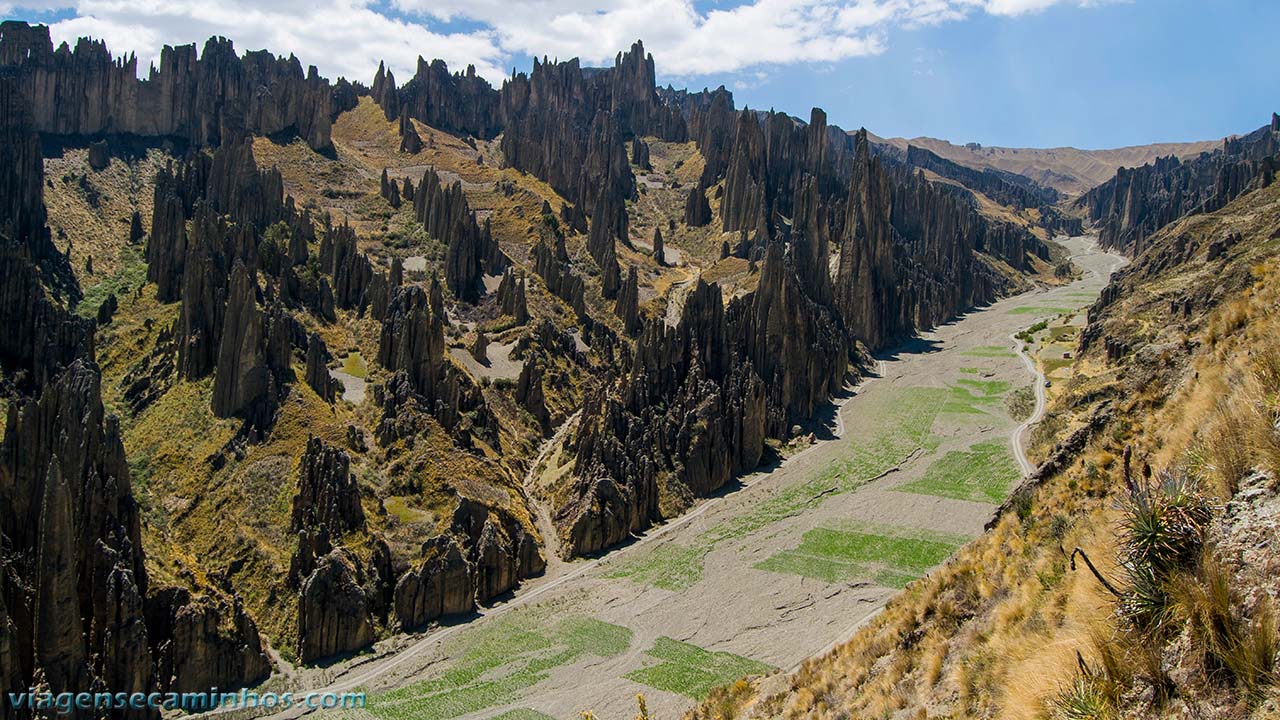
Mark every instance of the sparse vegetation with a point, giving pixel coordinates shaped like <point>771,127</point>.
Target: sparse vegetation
<point>1021,403</point>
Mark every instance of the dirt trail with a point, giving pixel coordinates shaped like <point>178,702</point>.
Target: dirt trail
<point>721,593</point>
<point>542,514</point>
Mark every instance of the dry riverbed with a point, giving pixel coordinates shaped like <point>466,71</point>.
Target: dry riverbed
<point>763,576</point>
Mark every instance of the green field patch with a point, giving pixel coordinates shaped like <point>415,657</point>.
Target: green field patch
<point>131,274</point>
<point>669,566</point>
<point>983,473</point>
<point>970,370</point>
<point>354,366</point>
<point>963,400</point>
<point>1037,310</point>
<point>523,714</point>
<point>496,662</point>
<point>904,422</point>
<point>989,351</point>
<point>891,556</point>
<point>690,670</point>
<point>986,388</point>
<point>1063,333</point>
<point>1055,364</point>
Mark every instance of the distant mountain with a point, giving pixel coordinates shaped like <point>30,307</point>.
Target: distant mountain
<point>1065,169</point>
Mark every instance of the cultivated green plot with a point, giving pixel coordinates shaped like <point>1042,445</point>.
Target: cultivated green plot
<point>986,388</point>
<point>970,370</point>
<point>495,663</point>
<point>691,671</point>
<point>669,566</point>
<point>989,351</point>
<point>523,714</point>
<point>903,424</point>
<point>1037,310</point>
<point>983,473</point>
<point>891,556</point>
<point>974,397</point>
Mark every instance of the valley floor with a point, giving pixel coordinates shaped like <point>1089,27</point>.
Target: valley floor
<point>789,561</point>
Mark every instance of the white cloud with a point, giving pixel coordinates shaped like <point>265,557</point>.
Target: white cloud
<point>340,37</point>
<point>349,37</point>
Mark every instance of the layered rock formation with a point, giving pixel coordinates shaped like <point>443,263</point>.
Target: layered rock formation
<point>85,91</point>
<point>1006,188</point>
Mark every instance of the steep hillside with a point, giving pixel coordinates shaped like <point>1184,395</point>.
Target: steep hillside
<point>1068,170</point>
<point>1132,576</point>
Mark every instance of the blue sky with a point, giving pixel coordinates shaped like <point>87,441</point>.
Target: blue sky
<point>1086,73</point>
<point>1106,76</point>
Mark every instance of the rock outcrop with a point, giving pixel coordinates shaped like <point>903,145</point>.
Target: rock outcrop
<point>640,154</point>
<point>85,91</point>
<point>318,378</point>
<point>626,307</point>
<point>389,191</point>
<point>410,141</point>
<point>554,268</point>
<point>567,127</point>
<point>253,355</point>
<point>697,211</point>
<point>690,408</point>
<point>484,554</point>
<point>386,93</point>
<point>333,610</point>
<point>608,220</point>
<point>461,103</point>
<point>1130,207</point>
<point>471,252</point>
<point>659,249</point>
<point>202,641</point>
<point>512,296</point>
<point>531,395</point>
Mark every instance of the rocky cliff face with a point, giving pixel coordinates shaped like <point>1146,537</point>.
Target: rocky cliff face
<point>462,102</point>
<point>1137,202</point>
<point>689,408</point>
<point>79,612</point>
<point>74,526</point>
<point>84,91</point>
<point>341,595</point>
<point>1003,187</point>
<point>568,128</point>
<point>254,355</point>
<point>471,252</point>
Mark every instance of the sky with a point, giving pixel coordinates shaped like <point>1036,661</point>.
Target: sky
<point>1022,73</point>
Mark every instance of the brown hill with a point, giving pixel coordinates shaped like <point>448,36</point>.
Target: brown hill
<point>1065,169</point>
